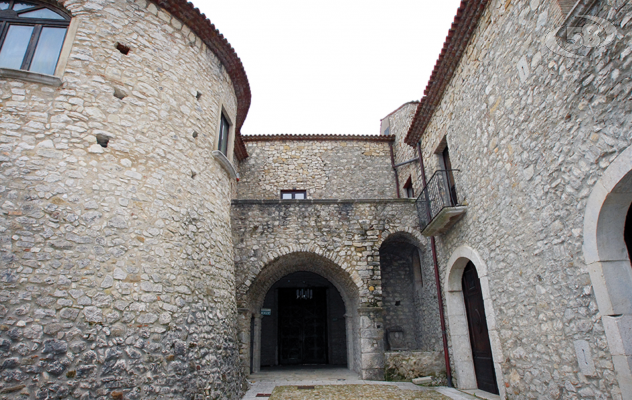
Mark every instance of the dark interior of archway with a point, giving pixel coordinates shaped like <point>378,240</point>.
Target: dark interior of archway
<point>401,286</point>
<point>309,330</point>
<point>628,232</point>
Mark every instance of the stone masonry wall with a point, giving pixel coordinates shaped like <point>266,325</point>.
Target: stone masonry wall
<point>347,234</point>
<point>327,169</point>
<point>531,132</point>
<point>117,274</point>
<point>399,122</point>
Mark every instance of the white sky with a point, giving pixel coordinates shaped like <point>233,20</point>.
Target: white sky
<point>331,66</point>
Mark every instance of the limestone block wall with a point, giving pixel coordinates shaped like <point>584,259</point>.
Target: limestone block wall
<point>326,169</point>
<point>338,240</point>
<point>532,131</point>
<point>117,275</point>
<point>399,122</point>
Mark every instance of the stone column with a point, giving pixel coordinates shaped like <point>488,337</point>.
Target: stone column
<point>350,342</point>
<point>243,324</point>
<point>372,343</point>
<point>256,345</point>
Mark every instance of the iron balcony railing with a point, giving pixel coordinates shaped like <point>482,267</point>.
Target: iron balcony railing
<point>439,193</point>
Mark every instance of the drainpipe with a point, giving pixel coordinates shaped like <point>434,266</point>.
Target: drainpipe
<point>394,169</point>
<point>433,245</point>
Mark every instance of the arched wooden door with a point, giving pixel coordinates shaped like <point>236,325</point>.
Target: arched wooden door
<point>479,335</point>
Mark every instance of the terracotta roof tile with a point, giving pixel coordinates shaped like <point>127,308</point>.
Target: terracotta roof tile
<point>318,137</point>
<point>465,22</point>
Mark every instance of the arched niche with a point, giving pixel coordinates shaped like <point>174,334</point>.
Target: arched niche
<point>608,260</point>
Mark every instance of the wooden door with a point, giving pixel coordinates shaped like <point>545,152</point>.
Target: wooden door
<point>479,335</point>
<point>302,327</point>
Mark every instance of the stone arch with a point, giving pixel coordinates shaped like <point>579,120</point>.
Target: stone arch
<point>413,235</point>
<point>608,260</point>
<point>457,319</point>
<point>307,261</point>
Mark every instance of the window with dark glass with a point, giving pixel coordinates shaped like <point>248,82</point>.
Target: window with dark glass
<point>31,36</point>
<point>408,186</point>
<point>293,194</point>
<point>224,128</point>
<point>447,165</point>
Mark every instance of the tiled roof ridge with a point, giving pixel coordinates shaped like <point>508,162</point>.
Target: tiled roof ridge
<point>191,16</point>
<point>467,17</point>
<point>316,136</point>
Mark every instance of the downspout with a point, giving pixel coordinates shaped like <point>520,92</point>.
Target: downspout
<point>394,169</point>
<point>433,245</point>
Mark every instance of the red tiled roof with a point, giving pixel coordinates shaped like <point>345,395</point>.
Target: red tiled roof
<point>318,137</point>
<point>206,31</point>
<point>465,22</point>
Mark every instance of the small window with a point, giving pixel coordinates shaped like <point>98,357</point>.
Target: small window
<point>224,128</point>
<point>408,187</point>
<point>32,36</point>
<point>293,194</point>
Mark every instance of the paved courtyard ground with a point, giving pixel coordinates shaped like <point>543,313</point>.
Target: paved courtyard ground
<point>283,383</point>
<point>349,392</point>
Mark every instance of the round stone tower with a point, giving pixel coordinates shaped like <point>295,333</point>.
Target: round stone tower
<point>117,271</point>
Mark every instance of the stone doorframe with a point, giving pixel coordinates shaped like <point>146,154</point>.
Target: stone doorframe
<point>457,319</point>
<point>608,261</point>
<point>364,325</point>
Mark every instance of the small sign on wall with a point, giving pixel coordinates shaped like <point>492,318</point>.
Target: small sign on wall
<point>266,311</point>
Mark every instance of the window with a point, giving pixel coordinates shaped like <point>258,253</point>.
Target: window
<point>408,187</point>
<point>293,194</point>
<point>447,166</point>
<point>32,36</point>
<point>224,128</point>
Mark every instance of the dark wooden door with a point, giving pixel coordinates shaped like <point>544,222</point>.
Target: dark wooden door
<point>479,335</point>
<point>302,327</point>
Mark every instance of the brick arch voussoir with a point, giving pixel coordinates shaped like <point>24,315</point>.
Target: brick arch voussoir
<point>346,282</point>
<point>415,237</point>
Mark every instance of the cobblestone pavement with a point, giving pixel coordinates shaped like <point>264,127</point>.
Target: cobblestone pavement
<point>337,383</point>
<point>352,392</point>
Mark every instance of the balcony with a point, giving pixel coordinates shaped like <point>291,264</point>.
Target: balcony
<point>437,205</point>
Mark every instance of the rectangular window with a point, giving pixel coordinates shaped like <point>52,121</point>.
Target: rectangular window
<point>447,166</point>
<point>408,186</point>
<point>293,194</point>
<point>224,128</point>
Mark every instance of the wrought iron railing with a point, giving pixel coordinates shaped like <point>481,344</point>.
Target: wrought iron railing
<point>440,192</point>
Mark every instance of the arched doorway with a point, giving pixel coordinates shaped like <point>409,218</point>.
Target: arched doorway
<point>469,308</point>
<point>274,292</point>
<point>607,249</point>
<point>627,234</point>
<point>479,333</point>
<point>303,322</point>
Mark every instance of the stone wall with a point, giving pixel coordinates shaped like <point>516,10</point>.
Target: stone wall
<point>399,122</point>
<point>408,365</point>
<point>117,263</point>
<point>326,169</point>
<point>531,132</point>
<point>339,240</point>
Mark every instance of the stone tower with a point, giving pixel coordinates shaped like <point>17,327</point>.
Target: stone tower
<point>117,273</point>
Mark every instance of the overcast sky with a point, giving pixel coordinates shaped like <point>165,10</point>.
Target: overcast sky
<point>331,66</point>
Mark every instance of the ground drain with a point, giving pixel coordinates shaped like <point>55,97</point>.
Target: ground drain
<point>306,387</point>
<point>263,395</point>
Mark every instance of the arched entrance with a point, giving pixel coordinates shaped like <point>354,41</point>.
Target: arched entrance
<point>479,333</point>
<point>313,314</point>
<point>607,243</point>
<point>303,322</point>
<point>475,342</point>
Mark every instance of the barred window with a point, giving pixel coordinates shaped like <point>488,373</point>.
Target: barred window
<point>31,36</point>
